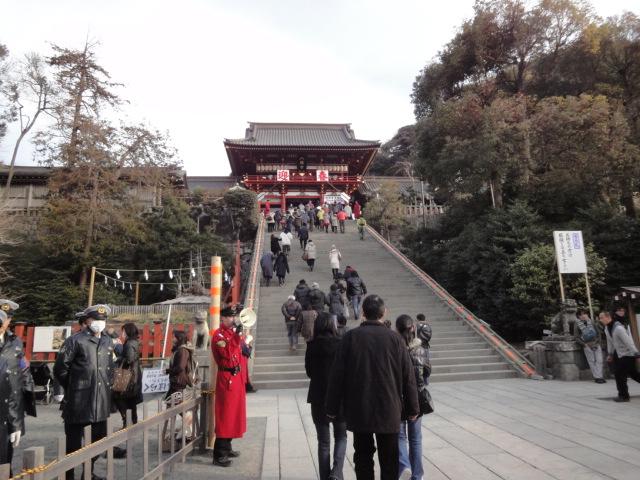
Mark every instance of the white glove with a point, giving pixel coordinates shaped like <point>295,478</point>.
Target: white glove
<point>14,438</point>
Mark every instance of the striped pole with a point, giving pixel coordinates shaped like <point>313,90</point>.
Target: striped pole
<point>214,324</point>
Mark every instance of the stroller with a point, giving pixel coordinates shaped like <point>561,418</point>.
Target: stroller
<point>42,374</point>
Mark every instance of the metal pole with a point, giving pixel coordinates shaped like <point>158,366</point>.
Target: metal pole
<point>92,284</point>
<point>214,324</point>
<point>166,333</point>
<point>586,282</point>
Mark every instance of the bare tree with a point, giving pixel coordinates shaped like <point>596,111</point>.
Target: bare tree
<point>31,85</point>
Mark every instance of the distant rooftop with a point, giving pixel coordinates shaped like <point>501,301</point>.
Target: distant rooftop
<point>301,135</point>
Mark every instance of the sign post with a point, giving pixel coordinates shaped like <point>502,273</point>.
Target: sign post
<point>571,258</point>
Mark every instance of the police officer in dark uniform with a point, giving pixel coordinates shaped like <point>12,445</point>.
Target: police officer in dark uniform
<point>14,376</point>
<point>83,368</point>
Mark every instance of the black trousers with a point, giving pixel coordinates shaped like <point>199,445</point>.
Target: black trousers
<point>74,432</point>
<point>624,367</point>
<point>221,447</point>
<point>6,449</point>
<point>388,455</point>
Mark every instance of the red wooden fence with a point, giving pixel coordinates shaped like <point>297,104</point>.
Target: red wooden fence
<point>151,339</point>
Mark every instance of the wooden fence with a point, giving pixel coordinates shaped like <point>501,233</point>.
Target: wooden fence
<point>157,309</point>
<point>154,465</point>
<point>151,339</point>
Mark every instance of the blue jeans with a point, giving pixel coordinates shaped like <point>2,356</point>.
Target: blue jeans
<point>413,458</point>
<point>292,333</point>
<point>356,301</point>
<point>324,449</point>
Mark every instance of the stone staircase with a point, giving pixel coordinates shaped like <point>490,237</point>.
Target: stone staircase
<point>457,351</point>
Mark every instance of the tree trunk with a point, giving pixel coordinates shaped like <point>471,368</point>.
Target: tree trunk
<point>75,123</point>
<point>496,190</point>
<point>88,237</point>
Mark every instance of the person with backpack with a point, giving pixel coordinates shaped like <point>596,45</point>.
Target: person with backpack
<point>303,235</point>
<point>182,373</point>
<point>231,395</point>
<point>356,289</point>
<point>622,354</point>
<point>588,336</point>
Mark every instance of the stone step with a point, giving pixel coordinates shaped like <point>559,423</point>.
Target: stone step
<point>457,353</point>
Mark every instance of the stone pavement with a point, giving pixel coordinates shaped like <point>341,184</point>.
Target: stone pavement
<point>487,429</point>
<point>492,429</point>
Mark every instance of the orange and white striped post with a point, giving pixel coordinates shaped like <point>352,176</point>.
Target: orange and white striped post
<point>214,324</point>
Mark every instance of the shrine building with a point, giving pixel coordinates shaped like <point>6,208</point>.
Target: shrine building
<point>293,162</point>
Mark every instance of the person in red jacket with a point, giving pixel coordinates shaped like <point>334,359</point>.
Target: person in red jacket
<point>342,216</point>
<point>230,400</point>
<point>357,210</point>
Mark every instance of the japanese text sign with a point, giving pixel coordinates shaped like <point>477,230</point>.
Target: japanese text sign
<point>570,252</point>
<point>282,175</point>
<point>154,380</point>
<point>322,175</point>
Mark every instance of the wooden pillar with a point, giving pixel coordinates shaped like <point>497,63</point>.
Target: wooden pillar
<point>92,283</point>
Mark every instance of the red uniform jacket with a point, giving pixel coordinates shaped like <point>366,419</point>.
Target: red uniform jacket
<point>230,407</point>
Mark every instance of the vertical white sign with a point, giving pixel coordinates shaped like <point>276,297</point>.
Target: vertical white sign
<point>570,252</point>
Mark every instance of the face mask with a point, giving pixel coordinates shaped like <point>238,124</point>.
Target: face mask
<point>97,326</point>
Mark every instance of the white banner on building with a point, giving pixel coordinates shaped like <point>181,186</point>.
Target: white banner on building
<point>322,175</point>
<point>570,252</point>
<point>282,175</point>
<point>336,198</point>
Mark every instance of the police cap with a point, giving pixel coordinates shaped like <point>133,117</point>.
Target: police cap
<point>98,312</point>
<point>8,306</point>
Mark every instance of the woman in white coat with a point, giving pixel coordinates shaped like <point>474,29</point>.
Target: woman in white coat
<point>334,259</point>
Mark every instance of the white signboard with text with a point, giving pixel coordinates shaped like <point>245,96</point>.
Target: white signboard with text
<point>154,380</point>
<point>570,252</point>
<point>50,339</point>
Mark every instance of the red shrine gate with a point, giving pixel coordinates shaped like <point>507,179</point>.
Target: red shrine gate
<point>298,162</point>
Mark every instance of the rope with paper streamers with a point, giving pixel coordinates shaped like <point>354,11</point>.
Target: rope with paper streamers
<point>118,282</point>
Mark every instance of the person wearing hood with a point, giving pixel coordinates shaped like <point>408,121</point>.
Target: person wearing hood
<point>231,395</point>
<point>318,362</point>
<point>411,430</point>
<point>14,375</point>
<point>317,298</point>
<point>266,264</point>
<point>310,253</point>
<point>334,259</point>
<point>84,368</point>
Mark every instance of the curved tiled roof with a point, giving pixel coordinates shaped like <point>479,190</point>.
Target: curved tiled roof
<point>301,135</point>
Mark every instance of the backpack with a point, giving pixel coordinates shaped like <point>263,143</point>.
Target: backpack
<point>192,371</point>
<point>587,332</point>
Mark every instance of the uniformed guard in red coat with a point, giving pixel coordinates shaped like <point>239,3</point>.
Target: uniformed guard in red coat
<point>230,406</point>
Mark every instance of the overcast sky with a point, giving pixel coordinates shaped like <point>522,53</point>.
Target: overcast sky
<point>201,69</point>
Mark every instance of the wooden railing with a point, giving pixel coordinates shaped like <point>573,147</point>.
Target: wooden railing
<point>154,464</point>
<point>334,178</point>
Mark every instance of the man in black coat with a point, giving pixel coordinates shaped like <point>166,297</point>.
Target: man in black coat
<point>374,381</point>
<point>15,379</point>
<point>84,369</point>
<point>301,293</point>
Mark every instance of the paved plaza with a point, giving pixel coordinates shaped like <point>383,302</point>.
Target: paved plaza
<point>489,429</point>
<point>495,429</point>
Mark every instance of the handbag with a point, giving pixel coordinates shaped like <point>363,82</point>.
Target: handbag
<point>121,380</point>
<point>425,401</point>
<point>305,256</point>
